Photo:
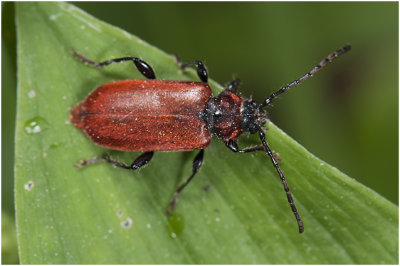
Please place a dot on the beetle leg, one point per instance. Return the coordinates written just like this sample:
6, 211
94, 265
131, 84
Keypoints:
233, 146
140, 161
201, 68
197, 162
144, 68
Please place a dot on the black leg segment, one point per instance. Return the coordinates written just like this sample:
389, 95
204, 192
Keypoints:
233, 146
197, 162
144, 68
140, 161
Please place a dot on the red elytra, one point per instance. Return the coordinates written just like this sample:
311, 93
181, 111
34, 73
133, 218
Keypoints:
146, 115
160, 115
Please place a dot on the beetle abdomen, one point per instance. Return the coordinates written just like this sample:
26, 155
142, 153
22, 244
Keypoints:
145, 115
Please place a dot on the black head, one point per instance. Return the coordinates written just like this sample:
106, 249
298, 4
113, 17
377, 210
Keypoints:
253, 116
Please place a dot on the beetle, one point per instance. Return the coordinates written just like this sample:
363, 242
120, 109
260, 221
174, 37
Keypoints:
151, 115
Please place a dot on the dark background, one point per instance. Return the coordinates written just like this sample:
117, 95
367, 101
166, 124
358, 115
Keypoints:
347, 114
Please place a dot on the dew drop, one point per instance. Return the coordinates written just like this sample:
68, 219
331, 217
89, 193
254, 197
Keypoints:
54, 16
35, 125
127, 223
31, 94
29, 186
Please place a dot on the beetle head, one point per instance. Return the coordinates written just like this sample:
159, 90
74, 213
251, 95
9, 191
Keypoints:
253, 116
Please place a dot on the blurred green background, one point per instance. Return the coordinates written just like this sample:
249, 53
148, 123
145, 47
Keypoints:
347, 114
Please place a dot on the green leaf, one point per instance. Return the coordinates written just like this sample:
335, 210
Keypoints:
234, 211
8, 240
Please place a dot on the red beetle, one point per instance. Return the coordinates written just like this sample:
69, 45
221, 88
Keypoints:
162, 115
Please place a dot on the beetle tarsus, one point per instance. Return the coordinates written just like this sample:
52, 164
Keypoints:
144, 68
84, 59
201, 69
197, 162
139, 162
171, 205
84, 163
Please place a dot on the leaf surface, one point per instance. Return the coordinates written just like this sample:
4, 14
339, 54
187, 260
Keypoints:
234, 211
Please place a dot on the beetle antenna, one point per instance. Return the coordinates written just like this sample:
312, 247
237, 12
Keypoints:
306, 76
283, 179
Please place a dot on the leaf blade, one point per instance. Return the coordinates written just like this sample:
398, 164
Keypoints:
83, 215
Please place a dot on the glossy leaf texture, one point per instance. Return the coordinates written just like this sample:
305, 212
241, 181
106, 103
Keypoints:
234, 211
